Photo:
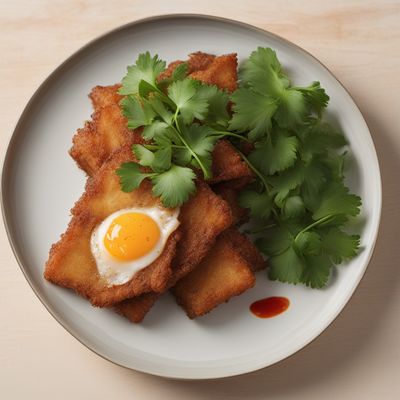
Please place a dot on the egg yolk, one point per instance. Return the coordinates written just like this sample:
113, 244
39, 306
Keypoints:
131, 236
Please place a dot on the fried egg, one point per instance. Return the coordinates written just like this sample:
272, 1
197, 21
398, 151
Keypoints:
129, 240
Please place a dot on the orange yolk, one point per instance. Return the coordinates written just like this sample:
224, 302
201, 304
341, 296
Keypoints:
131, 236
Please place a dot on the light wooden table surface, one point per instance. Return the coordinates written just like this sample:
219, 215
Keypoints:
358, 357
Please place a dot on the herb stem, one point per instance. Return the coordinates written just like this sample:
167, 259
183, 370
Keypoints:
313, 225
223, 133
180, 136
255, 170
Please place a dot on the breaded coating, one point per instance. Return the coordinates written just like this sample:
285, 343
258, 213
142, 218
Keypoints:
197, 62
71, 263
200, 61
103, 96
228, 164
136, 309
225, 272
230, 195
106, 132
222, 72
202, 219
246, 248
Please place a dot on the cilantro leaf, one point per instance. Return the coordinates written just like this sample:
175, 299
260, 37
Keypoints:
337, 200
130, 176
259, 204
138, 113
309, 243
200, 138
154, 130
263, 73
293, 207
161, 109
252, 112
180, 72
315, 96
217, 99
145, 156
271, 157
340, 245
316, 271
286, 267
188, 100
286, 181
146, 68
277, 240
162, 159
292, 108
174, 186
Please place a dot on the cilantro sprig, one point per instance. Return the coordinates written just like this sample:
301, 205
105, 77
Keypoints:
299, 200
182, 119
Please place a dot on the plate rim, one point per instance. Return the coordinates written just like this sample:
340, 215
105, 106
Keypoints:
7, 154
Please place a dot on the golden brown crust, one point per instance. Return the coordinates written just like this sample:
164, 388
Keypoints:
99, 138
227, 164
136, 309
200, 61
102, 96
71, 263
222, 274
202, 219
222, 72
246, 248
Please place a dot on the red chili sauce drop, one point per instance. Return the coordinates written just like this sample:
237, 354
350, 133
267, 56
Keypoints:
269, 307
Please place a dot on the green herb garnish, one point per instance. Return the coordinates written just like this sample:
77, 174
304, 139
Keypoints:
298, 202
299, 192
182, 118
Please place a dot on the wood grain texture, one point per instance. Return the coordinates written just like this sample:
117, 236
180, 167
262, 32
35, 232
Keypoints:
358, 357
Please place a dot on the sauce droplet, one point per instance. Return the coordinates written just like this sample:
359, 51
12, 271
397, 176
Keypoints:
269, 307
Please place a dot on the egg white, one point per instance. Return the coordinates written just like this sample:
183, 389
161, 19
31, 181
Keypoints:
117, 272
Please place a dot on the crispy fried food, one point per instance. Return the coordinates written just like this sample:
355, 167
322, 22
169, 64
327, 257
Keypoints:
226, 271
221, 72
198, 61
202, 219
136, 309
71, 263
227, 164
230, 195
103, 96
246, 248
108, 131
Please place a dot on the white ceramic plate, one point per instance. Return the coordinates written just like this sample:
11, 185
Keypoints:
40, 183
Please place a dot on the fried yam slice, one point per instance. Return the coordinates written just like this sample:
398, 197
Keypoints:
103, 96
106, 132
226, 271
228, 164
222, 72
202, 219
71, 263
246, 248
137, 308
